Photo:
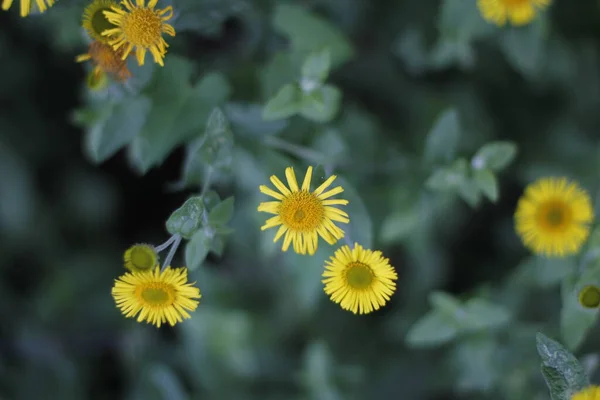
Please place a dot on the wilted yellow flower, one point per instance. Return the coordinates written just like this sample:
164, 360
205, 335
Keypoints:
107, 59
42, 5
97, 79
589, 393
358, 279
140, 257
553, 217
302, 215
95, 22
518, 12
157, 296
140, 27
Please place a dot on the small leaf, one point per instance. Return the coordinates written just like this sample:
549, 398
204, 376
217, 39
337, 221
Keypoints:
316, 66
487, 183
469, 191
559, 389
247, 118
211, 199
444, 303
222, 213
322, 104
495, 156
564, 363
197, 249
481, 314
448, 178
187, 219
442, 139
218, 245
287, 102
431, 330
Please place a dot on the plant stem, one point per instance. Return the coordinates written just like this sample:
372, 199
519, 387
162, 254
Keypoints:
172, 251
166, 244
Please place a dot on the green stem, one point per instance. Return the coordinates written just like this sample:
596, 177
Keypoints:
172, 251
166, 244
299, 151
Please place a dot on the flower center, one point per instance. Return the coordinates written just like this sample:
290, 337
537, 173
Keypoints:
515, 3
555, 215
302, 211
142, 27
142, 258
359, 275
157, 294
99, 21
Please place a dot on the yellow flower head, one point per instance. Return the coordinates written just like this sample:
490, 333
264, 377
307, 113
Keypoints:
140, 257
553, 217
358, 279
589, 393
589, 297
95, 22
42, 5
157, 296
140, 27
303, 215
518, 12
104, 57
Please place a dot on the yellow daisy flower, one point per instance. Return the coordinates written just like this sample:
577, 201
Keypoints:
360, 280
157, 296
589, 297
42, 5
140, 27
518, 12
95, 22
553, 217
140, 257
303, 215
589, 393
106, 59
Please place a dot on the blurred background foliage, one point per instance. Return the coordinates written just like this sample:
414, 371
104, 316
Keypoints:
434, 121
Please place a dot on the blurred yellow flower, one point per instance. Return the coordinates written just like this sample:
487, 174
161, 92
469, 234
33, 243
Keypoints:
95, 22
518, 12
553, 217
42, 5
157, 296
303, 215
105, 58
140, 257
358, 279
140, 27
589, 393
97, 79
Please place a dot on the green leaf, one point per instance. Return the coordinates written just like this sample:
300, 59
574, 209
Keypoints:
442, 140
469, 192
179, 110
564, 364
399, 225
316, 66
460, 21
487, 183
108, 135
308, 33
218, 245
495, 156
197, 249
247, 118
211, 199
187, 219
222, 213
448, 178
431, 330
525, 47
559, 389
479, 314
444, 303
321, 105
287, 102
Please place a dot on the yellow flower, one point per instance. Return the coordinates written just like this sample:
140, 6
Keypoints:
105, 58
360, 280
26, 5
589, 393
140, 257
518, 12
303, 215
589, 297
95, 22
157, 296
553, 217
140, 27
